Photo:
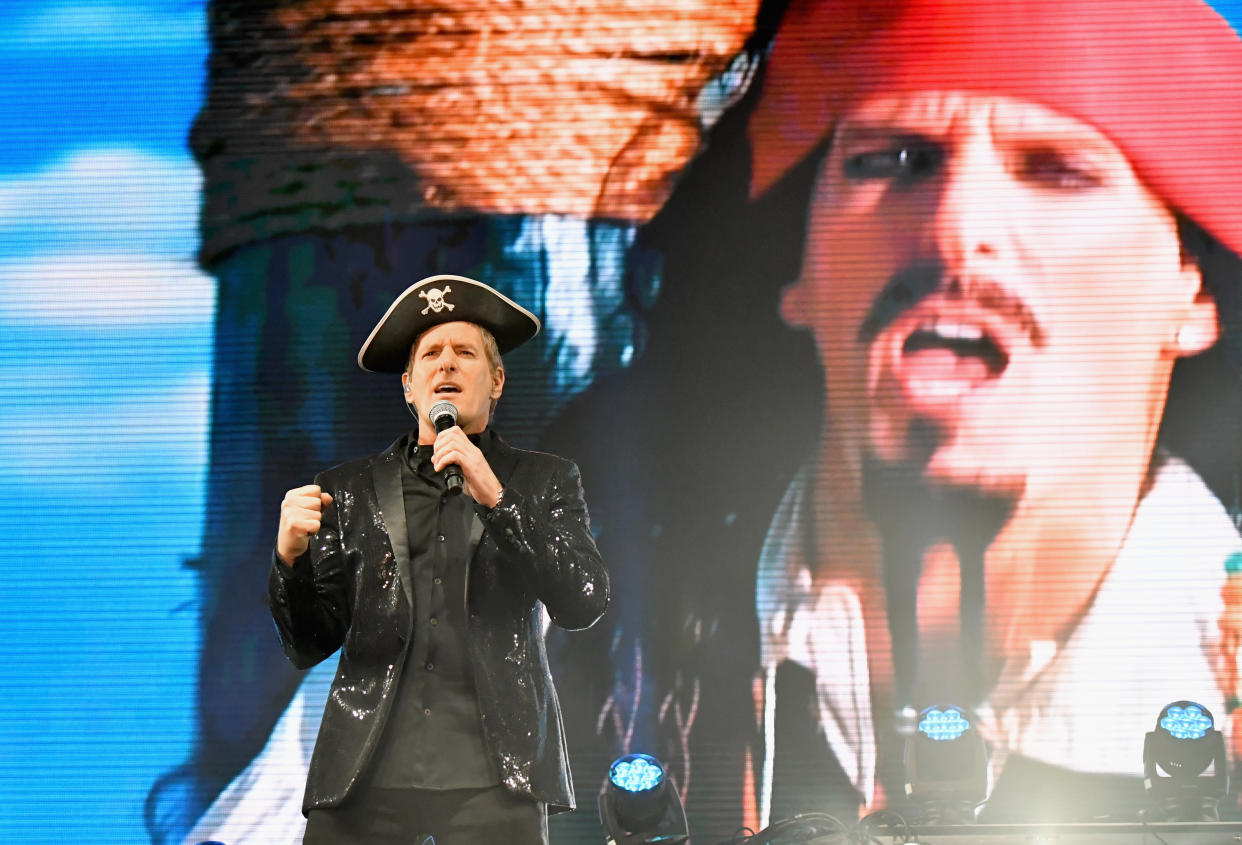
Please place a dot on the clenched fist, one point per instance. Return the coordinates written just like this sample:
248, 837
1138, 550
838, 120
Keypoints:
300, 515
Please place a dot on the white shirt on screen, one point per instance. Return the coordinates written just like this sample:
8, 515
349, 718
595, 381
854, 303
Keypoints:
263, 804
1148, 638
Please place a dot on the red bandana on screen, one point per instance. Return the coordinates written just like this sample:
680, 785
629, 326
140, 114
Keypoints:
1161, 78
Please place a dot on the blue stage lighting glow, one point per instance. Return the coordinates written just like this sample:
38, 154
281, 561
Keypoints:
1187, 722
942, 725
636, 773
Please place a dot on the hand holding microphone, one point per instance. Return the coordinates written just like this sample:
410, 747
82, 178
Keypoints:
464, 466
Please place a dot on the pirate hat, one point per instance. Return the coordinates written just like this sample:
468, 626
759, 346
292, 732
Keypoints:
1158, 77
443, 299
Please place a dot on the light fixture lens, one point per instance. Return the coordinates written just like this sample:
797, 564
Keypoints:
1189, 722
943, 725
636, 773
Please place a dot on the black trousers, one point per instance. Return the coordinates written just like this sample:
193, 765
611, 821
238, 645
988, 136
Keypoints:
430, 817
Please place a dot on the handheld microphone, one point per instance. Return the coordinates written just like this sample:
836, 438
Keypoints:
443, 416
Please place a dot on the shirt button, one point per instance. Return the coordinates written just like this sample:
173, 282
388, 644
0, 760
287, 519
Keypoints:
437, 580
434, 622
427, 711
441, 538
431, 667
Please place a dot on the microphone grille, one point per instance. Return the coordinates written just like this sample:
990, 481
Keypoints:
443, 408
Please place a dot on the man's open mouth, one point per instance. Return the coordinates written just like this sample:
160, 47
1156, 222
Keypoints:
942, 358
447, 390
954, 349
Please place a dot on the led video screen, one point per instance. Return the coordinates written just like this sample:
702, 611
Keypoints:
899, 347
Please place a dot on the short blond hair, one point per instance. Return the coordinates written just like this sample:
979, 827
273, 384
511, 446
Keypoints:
491, 349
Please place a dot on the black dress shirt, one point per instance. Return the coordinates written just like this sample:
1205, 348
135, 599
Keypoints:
434, 738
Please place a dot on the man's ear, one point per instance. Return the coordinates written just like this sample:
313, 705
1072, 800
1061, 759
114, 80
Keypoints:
1200, 326
795, 303
498, 383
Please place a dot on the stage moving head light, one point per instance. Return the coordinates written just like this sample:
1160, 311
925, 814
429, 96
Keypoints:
1185, 771
947, 765
638, 804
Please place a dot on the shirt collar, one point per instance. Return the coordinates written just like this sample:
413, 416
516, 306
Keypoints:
415, 454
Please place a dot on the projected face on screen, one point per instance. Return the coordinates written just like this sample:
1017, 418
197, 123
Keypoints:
997, 299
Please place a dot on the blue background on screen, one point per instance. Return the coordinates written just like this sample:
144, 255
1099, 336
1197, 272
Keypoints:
105, 329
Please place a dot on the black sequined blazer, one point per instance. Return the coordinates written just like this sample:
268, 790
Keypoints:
353, 590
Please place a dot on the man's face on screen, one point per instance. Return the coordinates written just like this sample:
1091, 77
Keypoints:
995, 295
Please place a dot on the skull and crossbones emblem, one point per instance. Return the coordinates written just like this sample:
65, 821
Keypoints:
435, 299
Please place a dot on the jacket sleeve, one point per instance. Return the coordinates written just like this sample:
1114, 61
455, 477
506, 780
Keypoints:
310, 600
549, 536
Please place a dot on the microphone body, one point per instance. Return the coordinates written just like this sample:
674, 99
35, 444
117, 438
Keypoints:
443, 416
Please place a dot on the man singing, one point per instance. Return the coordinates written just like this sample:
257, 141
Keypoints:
442, 720
1023, 216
